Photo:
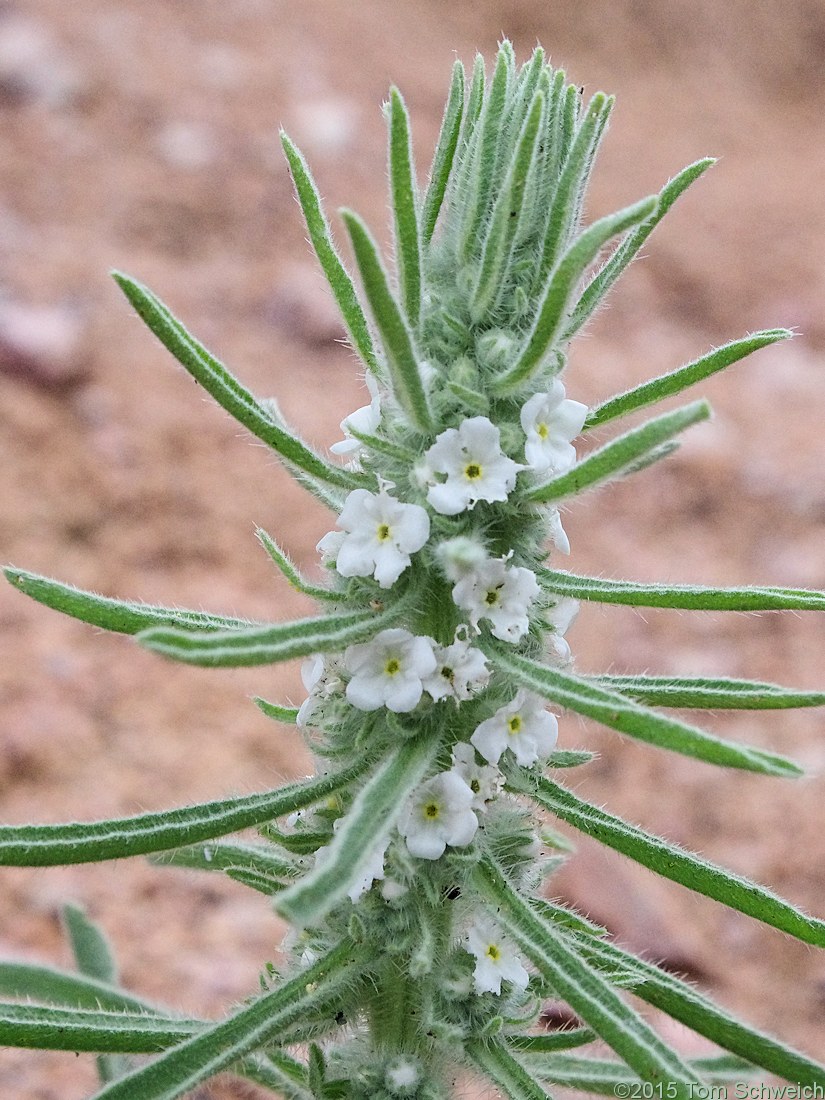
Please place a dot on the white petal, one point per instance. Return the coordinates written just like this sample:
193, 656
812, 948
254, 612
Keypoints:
403, 696
426, 845
557, 533
366, 692
490, 738
463, 829
449, 499
569, 418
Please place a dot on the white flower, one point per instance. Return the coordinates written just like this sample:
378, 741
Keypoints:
483, 781
496, 961
321, 681
500, 593
379, 534
438, 813
389, 670
523, 726
364, 420
374, 869
560, 616
474, 466
558, 535
461, 670
550, 422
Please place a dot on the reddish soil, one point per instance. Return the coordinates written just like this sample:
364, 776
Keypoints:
143, 134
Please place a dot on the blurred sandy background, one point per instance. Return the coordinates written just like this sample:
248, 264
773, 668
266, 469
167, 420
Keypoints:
143, 135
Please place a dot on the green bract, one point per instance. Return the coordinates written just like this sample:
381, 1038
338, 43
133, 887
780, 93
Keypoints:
410, 866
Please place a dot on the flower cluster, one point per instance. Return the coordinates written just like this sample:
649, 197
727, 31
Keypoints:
377, 535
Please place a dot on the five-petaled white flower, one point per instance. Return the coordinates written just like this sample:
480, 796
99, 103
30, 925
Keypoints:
496, 961
523, 726
472, 464
500, 593
438, 813
389, 670
550, 422
484, 781
364, 420
379, 534
461, 670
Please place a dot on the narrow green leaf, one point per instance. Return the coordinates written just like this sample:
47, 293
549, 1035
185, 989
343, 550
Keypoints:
228, 856
630, 247
478, 197
264, 645
444, 156
711, 694
576, 154
569, 120
691, 1008
214, 1048
590, 996
288, 715
618, 455
631, 718
383, 446
94, 958
551, 1041
670, 861
278, 1072
404, 206
405, 374
475, 103
91, 949
121, 616
530, 74
227, 390
497, 1063
689, 597
33, 981
553, 151
560, 914
366, 826
292, 574
500, 238
587, 168
49, 1028
321, 239
599, 1077
90, 842
666, 385
565, 758
565, 275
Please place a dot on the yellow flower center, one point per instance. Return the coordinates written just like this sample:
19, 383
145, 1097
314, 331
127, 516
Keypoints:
383, 532
475, 786
448, 674
514, 723
491, 597
493, 952
392, 666
472, 471
542, 431
431, 811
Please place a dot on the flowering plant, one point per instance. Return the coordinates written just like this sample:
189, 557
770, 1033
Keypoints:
410, 864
